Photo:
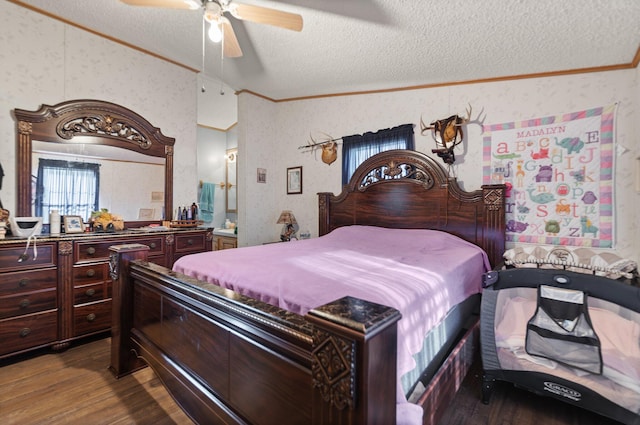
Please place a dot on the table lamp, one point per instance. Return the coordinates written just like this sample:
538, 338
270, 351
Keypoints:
290, 225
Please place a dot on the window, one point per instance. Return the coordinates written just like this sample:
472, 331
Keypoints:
356, 149
72, 188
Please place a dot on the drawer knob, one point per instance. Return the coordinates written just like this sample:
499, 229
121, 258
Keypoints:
190, 242
91, 273
91, 250
24, 332
24, 303
152, 245
23, 282
90, 292
91, 317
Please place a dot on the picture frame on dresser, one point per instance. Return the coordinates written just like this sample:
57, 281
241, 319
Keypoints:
73, 224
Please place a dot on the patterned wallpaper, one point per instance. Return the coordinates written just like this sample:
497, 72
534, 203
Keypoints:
273, 133
46, 61
43, 61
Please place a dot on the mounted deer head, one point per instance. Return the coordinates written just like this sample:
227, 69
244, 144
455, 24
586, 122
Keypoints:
329, 152
448, 133
329, 148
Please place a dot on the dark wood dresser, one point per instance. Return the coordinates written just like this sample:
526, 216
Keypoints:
65, 292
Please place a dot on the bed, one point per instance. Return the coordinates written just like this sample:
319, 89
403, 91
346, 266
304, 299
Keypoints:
230, 355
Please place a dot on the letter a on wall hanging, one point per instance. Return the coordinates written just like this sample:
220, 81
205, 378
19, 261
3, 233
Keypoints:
559, 174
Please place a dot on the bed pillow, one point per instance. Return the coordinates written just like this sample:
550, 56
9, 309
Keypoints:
577, 259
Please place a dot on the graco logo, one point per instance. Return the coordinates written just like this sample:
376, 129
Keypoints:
561, 390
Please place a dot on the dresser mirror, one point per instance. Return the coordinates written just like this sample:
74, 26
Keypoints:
231, 186
134, 158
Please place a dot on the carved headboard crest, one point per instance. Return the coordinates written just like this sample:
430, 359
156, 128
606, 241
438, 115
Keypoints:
396, 170
423, 171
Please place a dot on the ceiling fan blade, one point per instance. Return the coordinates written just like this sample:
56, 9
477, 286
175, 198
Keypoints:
170, 4
264, 15
231, 45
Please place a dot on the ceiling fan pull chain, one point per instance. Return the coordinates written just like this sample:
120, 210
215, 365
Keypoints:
204, 89
224, 36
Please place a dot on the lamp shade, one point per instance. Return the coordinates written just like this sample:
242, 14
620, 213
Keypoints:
287, 217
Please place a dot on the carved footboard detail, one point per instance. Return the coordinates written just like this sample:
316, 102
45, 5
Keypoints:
354, 363
333, 369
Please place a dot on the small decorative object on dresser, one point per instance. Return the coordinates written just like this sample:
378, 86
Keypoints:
73, 224
54, 223
25, 227
104, 221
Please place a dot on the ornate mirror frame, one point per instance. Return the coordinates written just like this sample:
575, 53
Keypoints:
88, 121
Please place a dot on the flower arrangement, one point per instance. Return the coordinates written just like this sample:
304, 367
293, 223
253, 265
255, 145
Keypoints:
104, 221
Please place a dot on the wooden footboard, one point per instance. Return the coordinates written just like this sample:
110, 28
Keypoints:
226, 358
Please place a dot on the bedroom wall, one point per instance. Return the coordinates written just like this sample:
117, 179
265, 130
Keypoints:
44, 61
274, 131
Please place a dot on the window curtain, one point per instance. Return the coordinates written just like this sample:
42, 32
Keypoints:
72, 188
357, 148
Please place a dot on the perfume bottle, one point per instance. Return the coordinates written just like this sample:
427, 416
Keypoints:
194, 211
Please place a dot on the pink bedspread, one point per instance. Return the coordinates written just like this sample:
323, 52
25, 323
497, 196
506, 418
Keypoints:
421, 273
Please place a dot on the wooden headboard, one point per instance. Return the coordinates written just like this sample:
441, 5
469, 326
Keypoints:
409, 190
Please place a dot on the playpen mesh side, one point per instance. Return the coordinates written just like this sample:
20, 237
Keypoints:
490, 360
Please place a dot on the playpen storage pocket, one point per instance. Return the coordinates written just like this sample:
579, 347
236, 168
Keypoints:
561, 330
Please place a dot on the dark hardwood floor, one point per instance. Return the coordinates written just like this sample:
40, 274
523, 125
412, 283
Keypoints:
513, 406
75, 387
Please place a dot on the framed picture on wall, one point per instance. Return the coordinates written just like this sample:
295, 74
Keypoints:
146, 213
294, 180
262, 175
157, 196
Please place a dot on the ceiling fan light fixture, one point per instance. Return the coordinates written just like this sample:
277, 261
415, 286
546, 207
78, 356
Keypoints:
215, 32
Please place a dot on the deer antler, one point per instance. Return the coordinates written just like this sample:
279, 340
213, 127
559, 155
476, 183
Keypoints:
477, 120
314, 144
327, 140
423, 126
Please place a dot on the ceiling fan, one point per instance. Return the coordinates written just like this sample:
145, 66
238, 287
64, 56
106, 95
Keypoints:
220, 28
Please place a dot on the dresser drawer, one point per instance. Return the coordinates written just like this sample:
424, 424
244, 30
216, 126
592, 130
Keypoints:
28, 331
20, 282
192, 242
99, 250
47, 256
90, 273
90, 293
90, 318
29, 302
224, 242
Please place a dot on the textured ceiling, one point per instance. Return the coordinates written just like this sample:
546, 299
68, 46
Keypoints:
360, 45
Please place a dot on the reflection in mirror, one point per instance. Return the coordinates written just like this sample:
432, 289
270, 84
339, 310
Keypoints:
141, 175
231, 191
134, 158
